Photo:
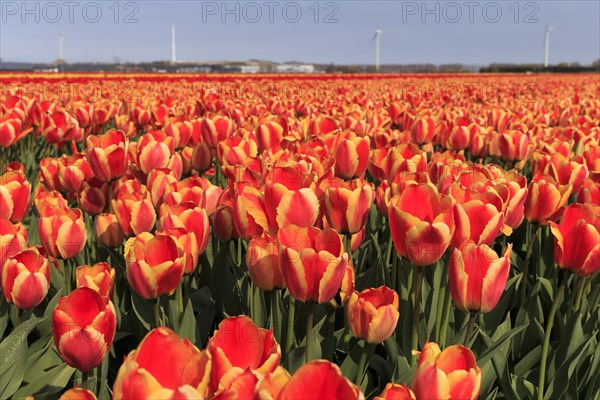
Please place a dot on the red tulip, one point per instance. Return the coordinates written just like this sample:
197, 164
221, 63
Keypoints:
154, 150
15, 191
108, 230
477, 276
421, 224
238, 344
446, 375
346, 205
262, 260
187, 244
577, 239
78, 394
313, 262
223, 218
73, 171
478, 222
317, 380
100, 277
271, 384
373, 314
513, 145
134, 209
93, 196
62, 232
351, 155
25, 278
13, 239
189, 216
545, 200
83, 326
393, 391
107, 154
182, 372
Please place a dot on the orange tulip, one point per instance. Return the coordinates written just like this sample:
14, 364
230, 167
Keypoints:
108, 230
78, 394
182, 372
478, 222
223, 218
421, 224
15, 191
319, 379
134, 209
271, 384
545, 200
83, 326
25, 278
11, 130
262, 260
93, 196
43, 199
73, 171
62, 232
513, 145
216, 129
107, 154
393, 391
347, 204
477, 276
238, 344
313, 262
154, 150
351, 155
13, 239
189, 216
373, 314
154, 264
446, 375
100, 277
577, 239
157, 180
187, 244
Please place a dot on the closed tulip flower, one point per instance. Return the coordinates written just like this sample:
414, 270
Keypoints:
83, 326
73, 171
477, 276
93, 196
393, 391
181, 372
62, 232
421, 224
545, 200
318, 380
577, 239
238, 344
134, 209
25, 278
513, 145
477, 221
186, 242
78, 394
262, 259
14, 193
154, 150
373, 314
107, 154
351, 154
189, 216
108, 230
451, 374
100, 277
154, 264
346, 205
313, 262
13, 239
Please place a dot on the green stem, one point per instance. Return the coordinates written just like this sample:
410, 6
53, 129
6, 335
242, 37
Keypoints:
179, 298
523, 288
67, 276
157, 312
18, 317
445, 318
273, 321
362, 365
546, 345
348, 248
290, 338
239, 251
580, 290
330, 334
417, 283
84, 380
310, 313
470, 327
388, 251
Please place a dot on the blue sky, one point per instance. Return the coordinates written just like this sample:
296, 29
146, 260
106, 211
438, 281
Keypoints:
469, 32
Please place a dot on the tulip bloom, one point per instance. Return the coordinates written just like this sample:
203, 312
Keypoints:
134, 209
25, 278
154, 264
351, 155
262, 259
62, 232
13, 239
319, 379
238, 344
513, 145
83, 326
78, 394
271, 384
108, 230
313, 262
186, 242
107, 154
14, 193
346, 206
93, 196
154, 150
188, 216
182, 371
545, 200
73, 171
477, 221
421, 224
477, 276
444, 375
100, 277
393, 391
373, 314
577, 239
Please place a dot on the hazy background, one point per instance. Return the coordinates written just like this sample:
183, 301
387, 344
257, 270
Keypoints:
465, 32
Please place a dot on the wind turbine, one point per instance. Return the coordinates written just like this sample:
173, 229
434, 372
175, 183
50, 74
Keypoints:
547, 44
61, 46
173, 57
378, 33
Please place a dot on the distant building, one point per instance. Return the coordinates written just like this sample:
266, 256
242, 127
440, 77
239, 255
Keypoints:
250, 69
296, 68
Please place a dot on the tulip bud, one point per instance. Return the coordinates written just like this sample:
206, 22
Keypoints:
100, 277
78, 394
14, 194
108, 230
393, 391
262, 259
62, 232
373, 314
107, 154
25, 278
347, 205
83, 326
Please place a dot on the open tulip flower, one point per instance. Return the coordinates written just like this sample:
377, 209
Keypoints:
155, 264
180, 372
446, 375
577, 239
313, 262
477, 276
421, 224
373, 314
25, 278
84, 326
238, 344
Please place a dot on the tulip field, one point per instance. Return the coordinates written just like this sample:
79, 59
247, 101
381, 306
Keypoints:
299, 236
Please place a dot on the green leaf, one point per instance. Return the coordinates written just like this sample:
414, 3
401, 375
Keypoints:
48, 382
558, 385
143, 310
188, 324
